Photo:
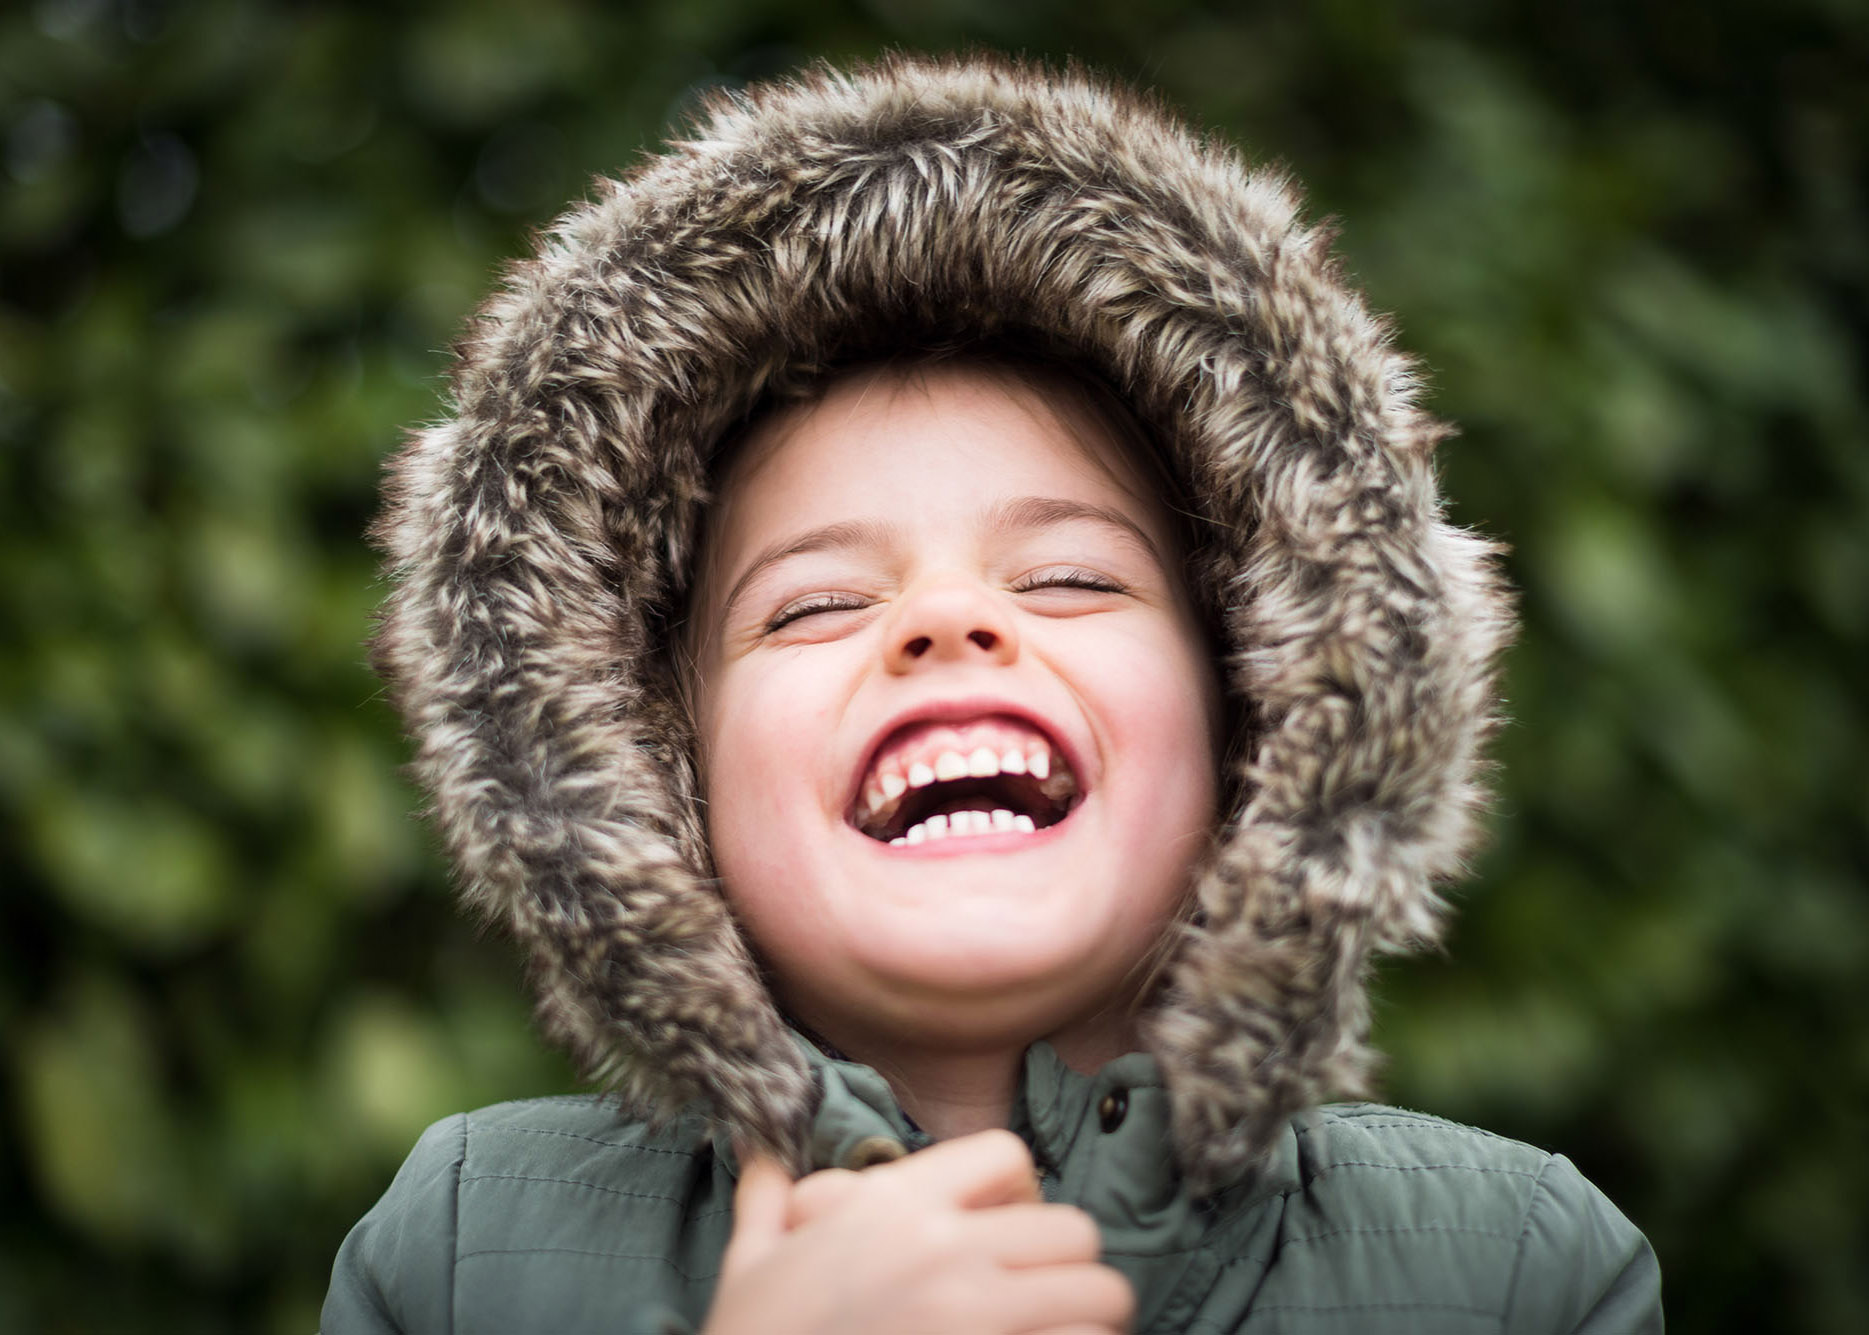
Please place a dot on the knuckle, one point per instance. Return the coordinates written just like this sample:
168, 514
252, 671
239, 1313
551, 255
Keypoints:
1008, 1144
827, 1176
823, 1186
933, 1234
1003, 1151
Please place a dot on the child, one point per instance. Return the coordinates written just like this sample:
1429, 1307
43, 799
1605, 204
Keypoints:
932, 623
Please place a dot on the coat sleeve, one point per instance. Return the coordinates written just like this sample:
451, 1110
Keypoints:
1582, 1268
395, 1273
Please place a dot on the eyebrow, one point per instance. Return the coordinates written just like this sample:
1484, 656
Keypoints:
1030, 512
842, 536
1019, 514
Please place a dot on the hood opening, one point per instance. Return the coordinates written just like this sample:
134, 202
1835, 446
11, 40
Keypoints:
537, 538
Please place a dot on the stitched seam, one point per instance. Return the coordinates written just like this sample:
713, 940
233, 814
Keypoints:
593, 1140
1371, 1307
1263, 1262
580, 1251
1251, 1259
571, 1182
1432, 1168
455, 1278
1525, 1232
1423, 1123
1402, 1229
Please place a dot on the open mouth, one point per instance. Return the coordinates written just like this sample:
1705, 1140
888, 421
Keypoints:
932, 781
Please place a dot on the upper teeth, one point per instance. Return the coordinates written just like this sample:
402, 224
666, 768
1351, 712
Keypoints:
982, 764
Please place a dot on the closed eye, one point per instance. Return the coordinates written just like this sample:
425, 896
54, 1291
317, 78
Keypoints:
1067, 577
813, 605
1050, 577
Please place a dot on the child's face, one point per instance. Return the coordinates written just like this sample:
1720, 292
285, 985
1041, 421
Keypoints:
914, 572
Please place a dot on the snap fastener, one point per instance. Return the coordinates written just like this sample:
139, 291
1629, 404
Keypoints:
1112, 1109
871, 1151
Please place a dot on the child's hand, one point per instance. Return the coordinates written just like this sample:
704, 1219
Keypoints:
951, 1241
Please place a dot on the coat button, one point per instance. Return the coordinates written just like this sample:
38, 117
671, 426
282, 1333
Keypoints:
871, 1151
1112, 1109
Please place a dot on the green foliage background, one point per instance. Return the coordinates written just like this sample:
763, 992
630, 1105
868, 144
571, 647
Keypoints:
1630, 240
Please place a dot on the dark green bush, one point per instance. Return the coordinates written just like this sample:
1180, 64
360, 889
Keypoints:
1629, 241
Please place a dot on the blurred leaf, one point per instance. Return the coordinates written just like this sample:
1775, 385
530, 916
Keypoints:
147, 870
104, 1145
387, 1072
1608, 578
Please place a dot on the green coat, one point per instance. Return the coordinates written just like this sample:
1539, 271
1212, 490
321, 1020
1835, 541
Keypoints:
559, 1215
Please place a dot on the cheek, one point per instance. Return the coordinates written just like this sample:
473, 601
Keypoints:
1163, 698
1172, 730
765, 759
1170, 779
745, 820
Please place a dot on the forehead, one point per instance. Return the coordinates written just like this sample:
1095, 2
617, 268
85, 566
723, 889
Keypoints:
875, 431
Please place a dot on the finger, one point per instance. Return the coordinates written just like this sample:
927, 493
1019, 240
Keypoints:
818, 1194
1021, 1236
759, 1206
985, 1168
1047, 1297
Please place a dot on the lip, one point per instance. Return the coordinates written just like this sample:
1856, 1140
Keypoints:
963, 710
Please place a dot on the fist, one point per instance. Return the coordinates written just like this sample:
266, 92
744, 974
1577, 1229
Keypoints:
954, 1240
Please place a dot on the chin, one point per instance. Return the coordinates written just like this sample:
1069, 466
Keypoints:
971, 988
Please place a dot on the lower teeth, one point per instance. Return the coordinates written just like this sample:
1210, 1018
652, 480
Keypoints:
960, 824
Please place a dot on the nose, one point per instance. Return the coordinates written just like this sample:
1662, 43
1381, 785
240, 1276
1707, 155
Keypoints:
949, 621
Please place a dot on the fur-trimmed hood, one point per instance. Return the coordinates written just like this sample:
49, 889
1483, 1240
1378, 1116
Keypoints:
540, 539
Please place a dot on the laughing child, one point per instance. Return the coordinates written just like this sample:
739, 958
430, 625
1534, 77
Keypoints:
931, 623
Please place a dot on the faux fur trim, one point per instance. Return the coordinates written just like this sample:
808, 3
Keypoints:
539, 537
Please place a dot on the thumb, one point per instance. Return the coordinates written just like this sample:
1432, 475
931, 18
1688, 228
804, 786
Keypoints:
760, 1203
